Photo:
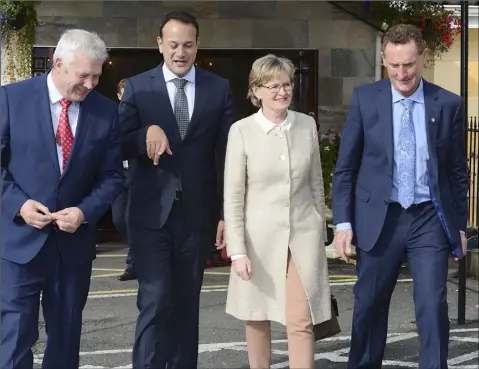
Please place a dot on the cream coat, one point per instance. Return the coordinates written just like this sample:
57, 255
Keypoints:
274, 199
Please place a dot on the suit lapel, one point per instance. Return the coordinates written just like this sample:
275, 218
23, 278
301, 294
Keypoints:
433, 112
201, 95
385, 114
83, 124
45, 120
160, 101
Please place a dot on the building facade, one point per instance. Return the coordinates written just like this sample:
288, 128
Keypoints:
345, 48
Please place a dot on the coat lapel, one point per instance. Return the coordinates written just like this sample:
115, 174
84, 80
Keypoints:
45, 120
201, 95
160, 101
385, 114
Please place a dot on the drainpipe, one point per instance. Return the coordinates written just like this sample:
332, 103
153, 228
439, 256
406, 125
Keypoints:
378, 60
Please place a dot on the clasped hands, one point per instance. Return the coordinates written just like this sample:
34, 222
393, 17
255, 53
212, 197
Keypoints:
38, 216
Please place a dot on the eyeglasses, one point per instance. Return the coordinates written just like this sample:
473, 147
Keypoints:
274, 89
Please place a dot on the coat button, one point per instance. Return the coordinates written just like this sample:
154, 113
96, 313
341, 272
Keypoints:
283, 157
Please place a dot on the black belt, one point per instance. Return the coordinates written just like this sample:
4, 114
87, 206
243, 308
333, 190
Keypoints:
424, 203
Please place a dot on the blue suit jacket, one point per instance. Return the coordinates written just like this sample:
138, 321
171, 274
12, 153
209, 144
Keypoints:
198, 158
362, 181
30, 169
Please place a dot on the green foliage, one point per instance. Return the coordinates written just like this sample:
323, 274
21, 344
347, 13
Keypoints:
328, 147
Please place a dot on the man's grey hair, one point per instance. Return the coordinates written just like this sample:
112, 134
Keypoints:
78, 41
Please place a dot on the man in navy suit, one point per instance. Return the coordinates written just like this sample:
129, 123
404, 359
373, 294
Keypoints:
400, 189
61, 171
183, 114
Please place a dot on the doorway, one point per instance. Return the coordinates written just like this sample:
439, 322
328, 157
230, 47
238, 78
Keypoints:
232, 64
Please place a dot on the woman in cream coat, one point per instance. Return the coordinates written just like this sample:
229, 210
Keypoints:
274, 219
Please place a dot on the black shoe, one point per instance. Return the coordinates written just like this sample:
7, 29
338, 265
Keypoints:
128, 275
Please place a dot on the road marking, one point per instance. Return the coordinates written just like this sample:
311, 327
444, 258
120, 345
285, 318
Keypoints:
112, 256
107, 270
335, 356
106, 275
219, 288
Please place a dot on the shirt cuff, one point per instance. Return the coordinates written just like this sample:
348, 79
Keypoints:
237, 256
343, 226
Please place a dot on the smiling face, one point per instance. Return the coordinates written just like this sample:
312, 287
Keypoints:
404, 65
179, 46
276, 95
77, 77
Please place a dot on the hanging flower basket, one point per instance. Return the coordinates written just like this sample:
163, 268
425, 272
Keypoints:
439, 26
17, 26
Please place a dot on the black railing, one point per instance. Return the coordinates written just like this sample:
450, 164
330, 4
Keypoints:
473, 169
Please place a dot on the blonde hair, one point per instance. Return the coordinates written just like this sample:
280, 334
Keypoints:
264, 70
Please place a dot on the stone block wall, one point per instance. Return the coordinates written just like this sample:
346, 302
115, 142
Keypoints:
346, 46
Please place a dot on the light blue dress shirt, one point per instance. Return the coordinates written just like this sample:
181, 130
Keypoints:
421, 192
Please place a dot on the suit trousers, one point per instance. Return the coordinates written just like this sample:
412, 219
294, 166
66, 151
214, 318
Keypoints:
118, 212
299, 328
64, 290
169, 263
416, 233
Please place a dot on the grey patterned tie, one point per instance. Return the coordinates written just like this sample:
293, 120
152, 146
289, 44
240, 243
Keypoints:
181, 106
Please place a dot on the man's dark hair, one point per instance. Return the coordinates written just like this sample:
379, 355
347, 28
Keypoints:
401, 34
182, 17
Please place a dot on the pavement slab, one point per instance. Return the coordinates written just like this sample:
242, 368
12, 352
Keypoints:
110, 317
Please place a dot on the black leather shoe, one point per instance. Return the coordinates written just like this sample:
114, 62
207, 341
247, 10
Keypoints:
127, 275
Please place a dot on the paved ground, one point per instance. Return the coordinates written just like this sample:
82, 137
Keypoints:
111, 313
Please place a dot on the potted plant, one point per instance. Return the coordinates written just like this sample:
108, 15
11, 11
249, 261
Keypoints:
17, 26
439, 26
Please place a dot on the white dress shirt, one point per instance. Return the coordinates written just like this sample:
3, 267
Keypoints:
56, 108
268, 126
189, 87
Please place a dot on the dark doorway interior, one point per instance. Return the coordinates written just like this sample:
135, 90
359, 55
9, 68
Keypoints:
231, 64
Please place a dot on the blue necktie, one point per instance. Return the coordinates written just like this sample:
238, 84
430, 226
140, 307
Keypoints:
407, 157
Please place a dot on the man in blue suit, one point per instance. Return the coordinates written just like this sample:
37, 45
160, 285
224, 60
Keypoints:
185, 113
400, 189
61, 171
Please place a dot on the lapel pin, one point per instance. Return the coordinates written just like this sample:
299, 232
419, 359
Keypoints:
433, 120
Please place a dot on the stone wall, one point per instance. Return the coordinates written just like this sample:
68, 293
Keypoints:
346, 46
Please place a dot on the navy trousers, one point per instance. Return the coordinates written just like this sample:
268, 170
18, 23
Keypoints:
64, 290
169, 263
417, 234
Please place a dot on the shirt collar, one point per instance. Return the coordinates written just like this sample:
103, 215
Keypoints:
53, 93
268, 126
417, 96
170, 76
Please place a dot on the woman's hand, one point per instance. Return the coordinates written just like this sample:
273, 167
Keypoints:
242, 267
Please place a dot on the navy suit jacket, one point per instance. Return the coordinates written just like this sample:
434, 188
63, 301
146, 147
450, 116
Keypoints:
198, 159
30, 169
362, 181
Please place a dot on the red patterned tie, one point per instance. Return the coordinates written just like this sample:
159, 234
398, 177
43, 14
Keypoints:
64, 132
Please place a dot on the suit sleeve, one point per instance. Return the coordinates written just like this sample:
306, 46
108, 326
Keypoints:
234, 195
316, 181
133, 139
221, 143
12, 195
110, 179
458, 174
348, 163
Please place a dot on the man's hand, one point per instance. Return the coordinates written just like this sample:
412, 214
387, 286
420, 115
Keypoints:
69, 219
220, 235
242, 267
342, 241
35, 214
156, 143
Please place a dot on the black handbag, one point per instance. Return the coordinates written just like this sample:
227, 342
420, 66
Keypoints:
330, 327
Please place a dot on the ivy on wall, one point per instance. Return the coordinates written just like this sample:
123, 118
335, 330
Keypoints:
17, 26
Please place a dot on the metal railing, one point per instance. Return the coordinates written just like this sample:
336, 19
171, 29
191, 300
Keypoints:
472, 146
